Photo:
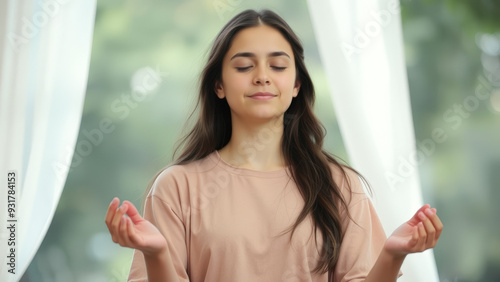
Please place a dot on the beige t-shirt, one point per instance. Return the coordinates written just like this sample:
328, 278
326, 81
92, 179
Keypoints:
224, 223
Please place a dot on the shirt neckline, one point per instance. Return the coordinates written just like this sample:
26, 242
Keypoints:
216, 158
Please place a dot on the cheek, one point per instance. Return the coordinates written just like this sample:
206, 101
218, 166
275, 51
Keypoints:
235, 83
286, 83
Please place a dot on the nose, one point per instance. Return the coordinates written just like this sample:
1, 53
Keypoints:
261, 77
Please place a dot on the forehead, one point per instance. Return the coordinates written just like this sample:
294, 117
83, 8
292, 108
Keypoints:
260, 40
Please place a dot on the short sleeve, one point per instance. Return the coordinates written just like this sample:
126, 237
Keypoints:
170, 223
364, 236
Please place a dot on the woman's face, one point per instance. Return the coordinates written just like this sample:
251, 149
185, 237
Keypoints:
258, 75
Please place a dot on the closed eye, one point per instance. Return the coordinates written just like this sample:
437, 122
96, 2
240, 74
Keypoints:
242, 69
279, 68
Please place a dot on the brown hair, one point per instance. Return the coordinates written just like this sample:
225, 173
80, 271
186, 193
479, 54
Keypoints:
302, 142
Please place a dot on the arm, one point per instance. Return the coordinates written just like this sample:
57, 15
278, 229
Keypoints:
159, 267
418, 234
129, 229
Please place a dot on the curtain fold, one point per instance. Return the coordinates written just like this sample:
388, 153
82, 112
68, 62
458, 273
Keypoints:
361, 46
45, 51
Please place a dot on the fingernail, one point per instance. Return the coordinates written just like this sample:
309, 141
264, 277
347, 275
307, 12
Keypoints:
429, 212
421, 215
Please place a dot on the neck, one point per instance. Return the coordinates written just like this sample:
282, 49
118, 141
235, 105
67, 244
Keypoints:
255, 146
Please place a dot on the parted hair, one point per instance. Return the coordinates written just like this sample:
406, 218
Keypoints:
303, 134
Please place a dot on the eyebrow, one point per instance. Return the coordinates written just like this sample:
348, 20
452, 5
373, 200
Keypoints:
252, 55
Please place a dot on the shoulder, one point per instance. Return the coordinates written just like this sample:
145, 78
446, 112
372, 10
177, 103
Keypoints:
176, 171
176, 179
349, 183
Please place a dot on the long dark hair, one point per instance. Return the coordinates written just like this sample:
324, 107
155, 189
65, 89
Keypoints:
302, 142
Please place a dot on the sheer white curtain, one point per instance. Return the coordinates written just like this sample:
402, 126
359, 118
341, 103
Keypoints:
44, 59
361, 45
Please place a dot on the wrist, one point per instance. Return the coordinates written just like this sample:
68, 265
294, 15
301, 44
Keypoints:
387, 266
392, 256
155, 254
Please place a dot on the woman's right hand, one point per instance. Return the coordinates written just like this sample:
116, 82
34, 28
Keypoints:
129, 229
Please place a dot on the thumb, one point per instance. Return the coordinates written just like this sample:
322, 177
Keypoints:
132, 212
415, 219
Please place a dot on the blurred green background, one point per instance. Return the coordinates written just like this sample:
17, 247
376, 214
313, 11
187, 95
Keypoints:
146, 58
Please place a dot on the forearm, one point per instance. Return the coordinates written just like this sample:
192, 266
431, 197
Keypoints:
160, 267
386, 268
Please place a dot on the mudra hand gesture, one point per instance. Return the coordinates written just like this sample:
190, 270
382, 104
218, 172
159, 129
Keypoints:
129, 229
418, 234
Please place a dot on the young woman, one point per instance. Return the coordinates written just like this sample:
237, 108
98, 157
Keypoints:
253, 195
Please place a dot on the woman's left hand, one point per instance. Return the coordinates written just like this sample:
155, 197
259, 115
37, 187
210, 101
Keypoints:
418, 234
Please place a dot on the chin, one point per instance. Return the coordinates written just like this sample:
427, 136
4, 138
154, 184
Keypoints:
266, 117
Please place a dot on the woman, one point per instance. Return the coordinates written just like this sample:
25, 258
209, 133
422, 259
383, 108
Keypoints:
253, 195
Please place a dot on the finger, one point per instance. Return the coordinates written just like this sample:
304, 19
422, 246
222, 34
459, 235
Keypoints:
109, 217
115, 223
123, 235
417, 239
429, 228
134, 238
436, 222
414, 237
132, 212
111, 210
422, 237
118, 232
415, 219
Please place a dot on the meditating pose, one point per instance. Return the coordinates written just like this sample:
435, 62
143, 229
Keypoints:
252, 195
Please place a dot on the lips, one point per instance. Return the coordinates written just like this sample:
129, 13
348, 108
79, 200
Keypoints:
262, 96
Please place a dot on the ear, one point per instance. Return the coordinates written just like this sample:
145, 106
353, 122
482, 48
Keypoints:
219, 90
296, 88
